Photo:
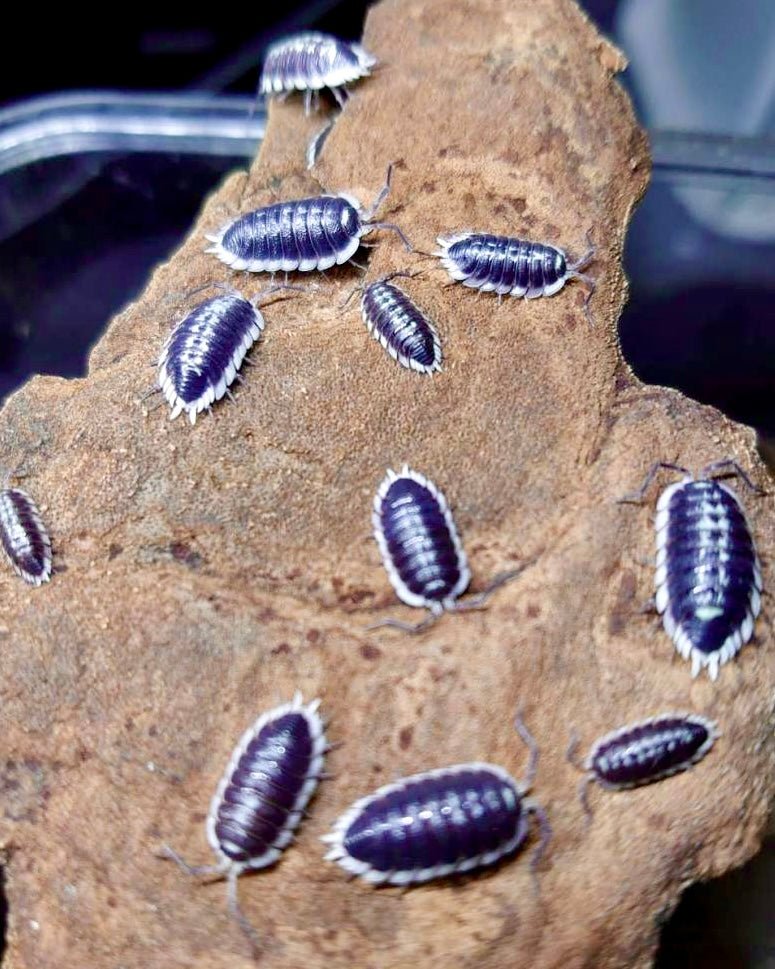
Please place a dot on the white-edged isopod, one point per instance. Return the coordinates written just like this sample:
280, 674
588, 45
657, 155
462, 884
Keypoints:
263, 795
421, 549
400, 326
23, 536
708, 578
303, 234
439, 823
647, 751
311, 61
510, 266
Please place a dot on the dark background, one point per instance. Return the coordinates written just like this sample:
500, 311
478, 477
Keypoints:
79, 237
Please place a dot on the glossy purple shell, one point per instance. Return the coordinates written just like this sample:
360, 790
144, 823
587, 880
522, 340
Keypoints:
204, 352
431, 825
650, 750
708, 578
418, 541
401, 327
504, 265
303, 234
270, 779
311, 61
23, 535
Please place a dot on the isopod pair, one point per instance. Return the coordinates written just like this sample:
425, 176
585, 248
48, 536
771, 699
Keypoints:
438, 823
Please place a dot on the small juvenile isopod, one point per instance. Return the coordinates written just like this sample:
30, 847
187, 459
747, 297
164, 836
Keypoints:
400, 326
439, 823
505, 265
421, 550
303, 234
647, 751
262, 796
23, 535
204, 352
310, 62
708, 578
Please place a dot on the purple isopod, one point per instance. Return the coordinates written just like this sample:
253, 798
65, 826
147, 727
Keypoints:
263, 794
647, 751
202, 355
401, 327
204, 352
438, 823
505, 265
708, 578
304, 234
24, 537
421, 549
312, 61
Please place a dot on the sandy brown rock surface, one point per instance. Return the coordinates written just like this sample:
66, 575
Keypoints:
206, 573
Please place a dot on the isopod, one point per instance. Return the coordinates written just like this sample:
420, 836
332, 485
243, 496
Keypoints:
400, 326
263, 794
310, 62
708, 578
24, 537
647, 751
304, 234
439, 823
517, 267
421, 549
202, 355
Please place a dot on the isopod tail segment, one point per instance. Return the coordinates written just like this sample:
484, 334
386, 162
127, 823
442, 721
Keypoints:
642, 753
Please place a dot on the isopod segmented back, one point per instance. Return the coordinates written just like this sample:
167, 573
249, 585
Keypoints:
510, 266
300, 234
263, 794
311, 61
400, 326
23, 536
438, 823
708, 578
203, 354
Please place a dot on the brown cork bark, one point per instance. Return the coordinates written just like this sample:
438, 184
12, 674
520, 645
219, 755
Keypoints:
206, 573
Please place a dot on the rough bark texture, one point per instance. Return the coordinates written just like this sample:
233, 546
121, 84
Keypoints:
206, 573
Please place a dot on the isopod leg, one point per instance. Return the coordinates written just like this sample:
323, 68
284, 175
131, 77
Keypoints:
479, 601
545, 830
196, 871
406, 627
529, 741
584, 798
571, 751
587, 258
636, 496
238, 915
381, 196
730, 464
393, 228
